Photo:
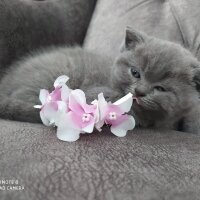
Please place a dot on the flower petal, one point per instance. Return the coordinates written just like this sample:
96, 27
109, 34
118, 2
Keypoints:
45, 121
99, 125
67, 121
62, 106
76, 100
89, 128
75, 120
121, 129
120, 118
43, 95
89, 108
60, 81
49, 113
125, 103
96, 113
55, 95
78, 96
65, 92
102, 105
68, 134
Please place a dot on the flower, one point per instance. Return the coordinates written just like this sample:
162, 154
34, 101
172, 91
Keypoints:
80, 118
54, 103
115, 114
68, 110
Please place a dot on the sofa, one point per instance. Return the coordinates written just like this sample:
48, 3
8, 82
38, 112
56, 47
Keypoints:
146, 164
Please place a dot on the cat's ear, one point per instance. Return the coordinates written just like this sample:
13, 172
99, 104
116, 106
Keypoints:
132, 39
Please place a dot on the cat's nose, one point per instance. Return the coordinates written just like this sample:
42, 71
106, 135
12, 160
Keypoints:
140, 92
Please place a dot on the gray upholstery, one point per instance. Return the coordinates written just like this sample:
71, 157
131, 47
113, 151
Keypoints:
145, 165
27, 25
175, 20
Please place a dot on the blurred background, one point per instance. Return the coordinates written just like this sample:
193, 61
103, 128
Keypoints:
27, 25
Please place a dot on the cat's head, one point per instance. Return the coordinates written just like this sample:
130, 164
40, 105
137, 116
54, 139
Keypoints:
163, 77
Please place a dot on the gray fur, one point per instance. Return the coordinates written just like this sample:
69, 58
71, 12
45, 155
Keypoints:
20, 87
160, 63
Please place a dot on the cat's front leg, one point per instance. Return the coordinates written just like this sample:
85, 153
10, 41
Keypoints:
191, 123
20, 109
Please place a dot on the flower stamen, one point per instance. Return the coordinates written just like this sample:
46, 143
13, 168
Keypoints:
86, 117
112, 115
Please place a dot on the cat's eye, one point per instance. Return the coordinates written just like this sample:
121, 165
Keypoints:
160, 88
135, 73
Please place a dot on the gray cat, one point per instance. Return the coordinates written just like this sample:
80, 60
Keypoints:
163, 77
21, 85
165, 80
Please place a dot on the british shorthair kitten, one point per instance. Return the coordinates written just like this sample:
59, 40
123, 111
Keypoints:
163, 77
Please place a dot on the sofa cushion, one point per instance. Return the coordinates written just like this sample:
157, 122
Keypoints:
174, 20
27, 25
143, 165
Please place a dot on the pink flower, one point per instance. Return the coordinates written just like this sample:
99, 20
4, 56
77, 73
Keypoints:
80, 118
115, 115
68, 110
54, 103
51, 112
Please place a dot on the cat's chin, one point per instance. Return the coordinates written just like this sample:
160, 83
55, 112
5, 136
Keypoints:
145, 117
137, 108
137, 103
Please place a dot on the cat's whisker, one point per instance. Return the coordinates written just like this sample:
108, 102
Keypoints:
146, 102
